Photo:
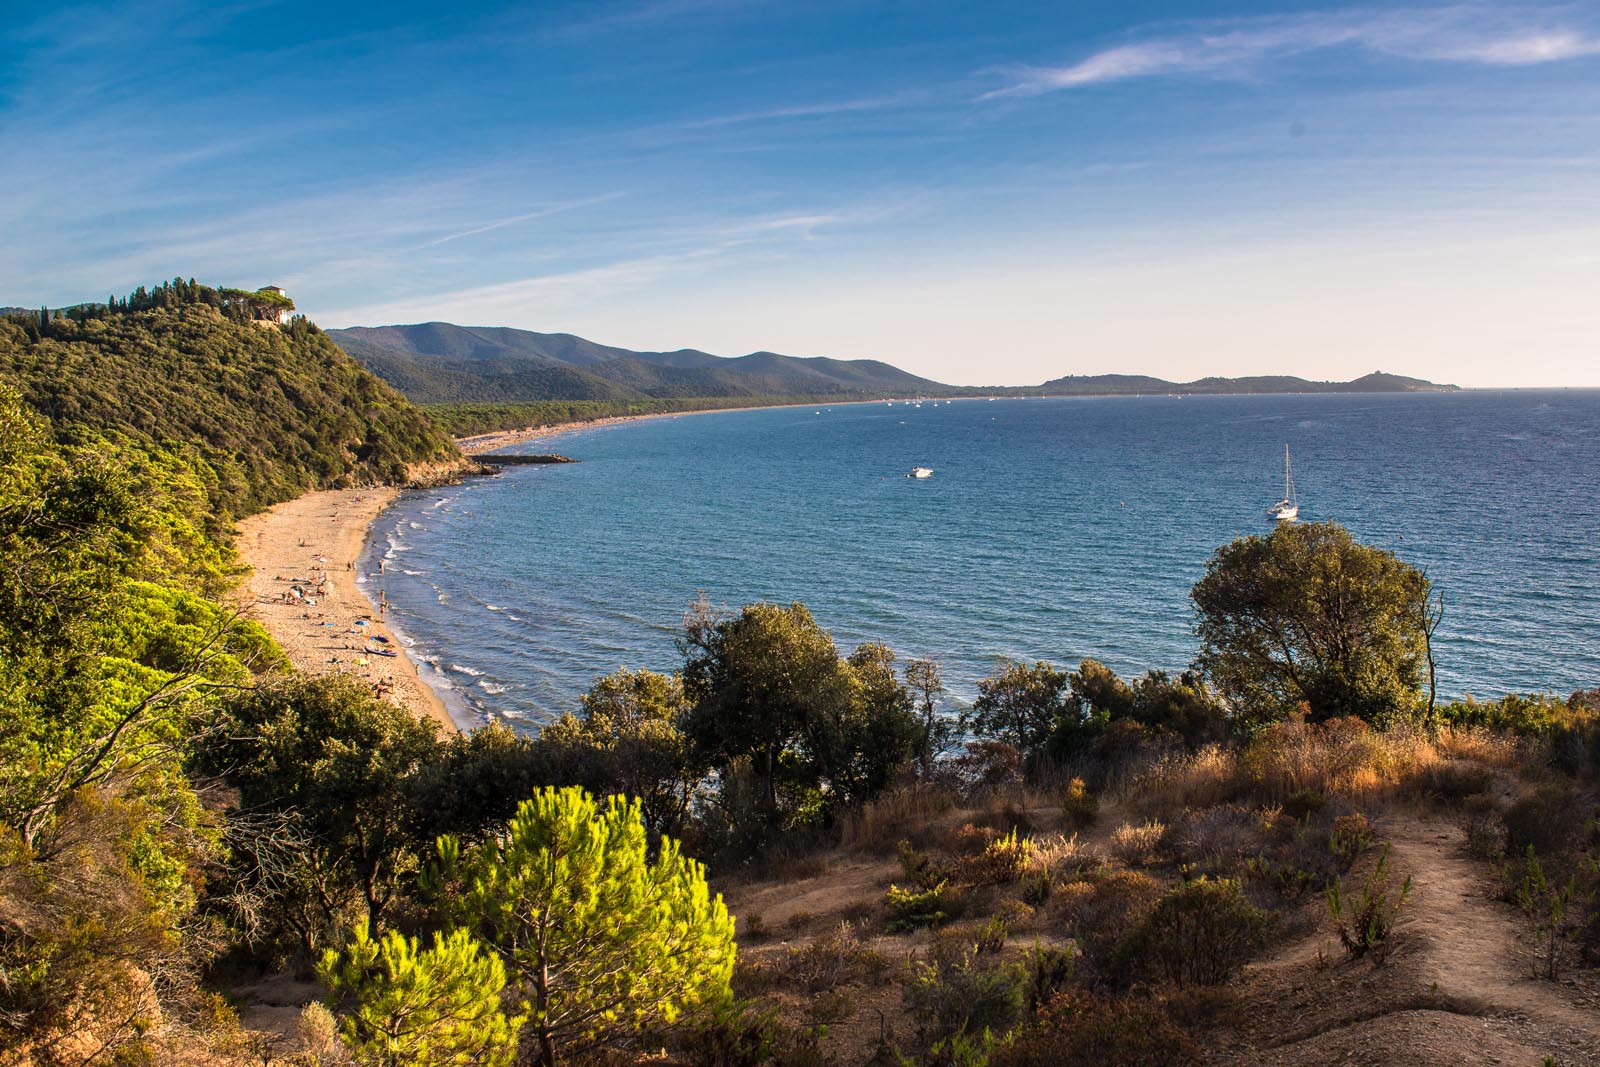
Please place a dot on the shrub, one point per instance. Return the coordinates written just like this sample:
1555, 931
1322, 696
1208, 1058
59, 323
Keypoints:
1200, 933
1000, 863
1048, 971
1216, 840
1138, 846
1085, 1028
1549, 819
737, 1034
880, 823
1547, 904
1454, 780
836, 959
1365, 924
1036, 889
990, 938
1104, 907
1078, 805
1349, 837
919, 867
1304, 803
964, 997
1176, 781
914, 909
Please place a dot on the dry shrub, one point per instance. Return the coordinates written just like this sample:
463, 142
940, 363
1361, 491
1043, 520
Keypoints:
838, 958
1342, 757
1004, 815
1002, 862
1079, 1027
317, 1029
1200, 933
1549, 819
1138, 846
1478, 745
907, 811
1175, 780
969, 839
1486, 834
1055, 855
1102, 908
1452, 781
1216, 840
1295, 761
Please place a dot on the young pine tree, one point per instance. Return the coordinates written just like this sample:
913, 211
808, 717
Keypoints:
435, 1007
600, 940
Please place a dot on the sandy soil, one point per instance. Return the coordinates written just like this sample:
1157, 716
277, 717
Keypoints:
312, 544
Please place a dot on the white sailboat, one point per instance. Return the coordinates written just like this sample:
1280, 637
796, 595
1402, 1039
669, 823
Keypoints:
1287, 509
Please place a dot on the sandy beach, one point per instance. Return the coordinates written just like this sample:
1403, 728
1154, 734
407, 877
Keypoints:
304, 554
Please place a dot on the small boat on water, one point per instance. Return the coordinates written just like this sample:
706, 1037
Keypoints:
1287, 509
921, 472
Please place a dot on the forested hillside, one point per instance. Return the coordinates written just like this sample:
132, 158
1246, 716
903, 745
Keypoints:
440, 363
271, 410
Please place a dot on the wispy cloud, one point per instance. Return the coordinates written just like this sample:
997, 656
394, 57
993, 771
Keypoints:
1240, 47
805, 111
529, 216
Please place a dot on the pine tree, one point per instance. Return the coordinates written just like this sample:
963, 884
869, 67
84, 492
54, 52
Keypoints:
438, 1007
599, 939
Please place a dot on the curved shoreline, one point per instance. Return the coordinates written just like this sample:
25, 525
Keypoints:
322, 535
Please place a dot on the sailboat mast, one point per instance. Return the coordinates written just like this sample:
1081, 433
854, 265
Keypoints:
1288, 475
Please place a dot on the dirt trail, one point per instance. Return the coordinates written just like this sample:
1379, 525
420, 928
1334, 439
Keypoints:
1457, 989
1477, 950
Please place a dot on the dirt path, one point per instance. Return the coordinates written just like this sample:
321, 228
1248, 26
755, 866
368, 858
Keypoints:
1457, 989
1478, 951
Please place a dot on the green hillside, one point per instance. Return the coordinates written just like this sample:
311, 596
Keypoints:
441, 363
273, 410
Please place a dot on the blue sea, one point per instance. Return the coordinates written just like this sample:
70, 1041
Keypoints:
1051, 529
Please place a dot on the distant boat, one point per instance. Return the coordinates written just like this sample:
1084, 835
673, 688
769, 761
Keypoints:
921, 472
1287, 509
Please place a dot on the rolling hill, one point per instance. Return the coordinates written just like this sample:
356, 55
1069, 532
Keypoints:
437, 362
441, 363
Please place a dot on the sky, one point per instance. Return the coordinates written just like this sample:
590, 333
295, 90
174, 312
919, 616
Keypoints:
982, 193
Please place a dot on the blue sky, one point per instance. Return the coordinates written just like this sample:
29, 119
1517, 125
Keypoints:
983, 193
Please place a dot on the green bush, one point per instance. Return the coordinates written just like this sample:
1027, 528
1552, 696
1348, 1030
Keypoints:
1349, 837
1365, 923
1199, 934
964, 997
914, 909
1078, 805
1001, 862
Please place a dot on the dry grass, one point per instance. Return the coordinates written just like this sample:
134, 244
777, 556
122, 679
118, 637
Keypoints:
1138, 846
1056, 855
881, 824
1340, 758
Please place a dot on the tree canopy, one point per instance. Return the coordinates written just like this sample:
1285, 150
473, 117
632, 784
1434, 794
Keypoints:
599, 938
1306, 615
271, 411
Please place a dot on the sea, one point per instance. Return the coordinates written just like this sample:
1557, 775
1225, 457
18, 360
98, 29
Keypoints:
1051, 529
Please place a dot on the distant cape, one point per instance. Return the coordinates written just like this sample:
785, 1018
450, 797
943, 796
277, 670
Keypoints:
439, 362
